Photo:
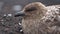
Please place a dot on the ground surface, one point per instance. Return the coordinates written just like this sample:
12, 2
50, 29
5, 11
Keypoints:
9, 25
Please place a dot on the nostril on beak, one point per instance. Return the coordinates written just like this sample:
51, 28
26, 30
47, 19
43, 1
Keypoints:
19, 14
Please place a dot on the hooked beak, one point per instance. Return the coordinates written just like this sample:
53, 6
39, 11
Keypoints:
21, 13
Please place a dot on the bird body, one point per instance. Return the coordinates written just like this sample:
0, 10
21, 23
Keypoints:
39, 19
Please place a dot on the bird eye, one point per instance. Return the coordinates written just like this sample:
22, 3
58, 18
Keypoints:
31, 9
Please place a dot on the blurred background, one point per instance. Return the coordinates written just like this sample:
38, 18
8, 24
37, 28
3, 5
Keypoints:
10, 24
11, 6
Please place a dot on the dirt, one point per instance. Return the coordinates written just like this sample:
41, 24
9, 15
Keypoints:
10, 25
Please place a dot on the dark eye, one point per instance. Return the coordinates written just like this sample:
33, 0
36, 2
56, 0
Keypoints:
31, 9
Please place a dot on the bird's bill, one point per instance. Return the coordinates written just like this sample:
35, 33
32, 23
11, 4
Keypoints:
21, 13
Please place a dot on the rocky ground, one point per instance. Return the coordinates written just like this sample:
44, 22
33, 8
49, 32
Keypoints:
10, 25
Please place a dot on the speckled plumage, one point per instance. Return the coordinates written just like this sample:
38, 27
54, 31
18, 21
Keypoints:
39, 20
